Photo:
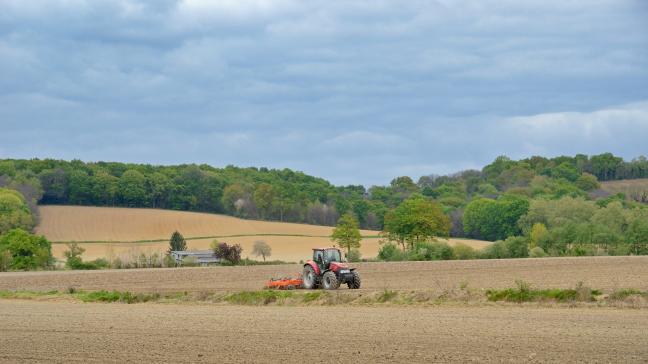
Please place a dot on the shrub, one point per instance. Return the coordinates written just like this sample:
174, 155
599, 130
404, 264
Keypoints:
517, 247
26, 251
497, 250
390, 252
537, 252
464, 252
431, 251
354, 255
230, 253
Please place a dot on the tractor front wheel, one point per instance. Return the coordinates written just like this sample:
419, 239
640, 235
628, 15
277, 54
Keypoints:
309, 277
355, 282
330, 281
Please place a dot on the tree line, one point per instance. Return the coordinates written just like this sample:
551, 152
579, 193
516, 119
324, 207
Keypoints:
286, 195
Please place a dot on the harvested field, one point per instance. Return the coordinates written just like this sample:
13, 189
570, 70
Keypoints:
118, 232
66, 332
635, 189
606, 273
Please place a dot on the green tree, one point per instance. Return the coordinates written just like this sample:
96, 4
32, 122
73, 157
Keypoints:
73, 256
587, 182
27, 251
415, 220
264, 196
494, 219
538, 234
637, 234
80, 188
261, 249
177, 242
347, 233
14, 212
132, 188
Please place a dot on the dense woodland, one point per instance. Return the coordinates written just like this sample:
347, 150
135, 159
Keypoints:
286, 195
558, 199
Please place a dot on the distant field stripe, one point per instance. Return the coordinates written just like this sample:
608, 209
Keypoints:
200, 238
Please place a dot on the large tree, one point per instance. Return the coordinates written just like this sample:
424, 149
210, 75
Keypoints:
416, 219
494, 219
347, 233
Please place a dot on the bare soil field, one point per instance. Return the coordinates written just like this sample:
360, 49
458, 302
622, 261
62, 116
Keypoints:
70, 332
606, 273
118, 230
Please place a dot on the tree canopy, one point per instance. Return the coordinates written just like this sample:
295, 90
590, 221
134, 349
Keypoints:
347, 233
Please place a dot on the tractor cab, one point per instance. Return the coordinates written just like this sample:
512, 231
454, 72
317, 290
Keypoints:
324, 257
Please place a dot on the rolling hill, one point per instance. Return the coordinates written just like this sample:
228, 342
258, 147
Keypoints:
115, 232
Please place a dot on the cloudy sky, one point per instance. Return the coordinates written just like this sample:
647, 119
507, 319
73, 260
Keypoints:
353, 91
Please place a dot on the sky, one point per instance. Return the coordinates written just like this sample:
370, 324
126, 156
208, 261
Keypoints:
357, 92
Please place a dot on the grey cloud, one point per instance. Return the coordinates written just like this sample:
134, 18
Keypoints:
356, 92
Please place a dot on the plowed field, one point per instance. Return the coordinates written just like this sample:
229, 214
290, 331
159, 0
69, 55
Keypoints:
68, 332
607, 273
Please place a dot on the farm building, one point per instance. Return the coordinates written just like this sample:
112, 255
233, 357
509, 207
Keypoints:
202, 257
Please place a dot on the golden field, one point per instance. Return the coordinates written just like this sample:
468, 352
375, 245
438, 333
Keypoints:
107, 232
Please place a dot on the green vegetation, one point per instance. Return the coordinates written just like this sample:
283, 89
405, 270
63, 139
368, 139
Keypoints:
14, 212
347, 233
20, 250
416, 220
74, 261
524, 293
258, 297
115, 296
554, 205
230, 253
177, 242
494, 219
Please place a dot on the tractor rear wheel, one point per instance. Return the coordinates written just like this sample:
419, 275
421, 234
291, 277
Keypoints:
309, 277
355, 282
330, 281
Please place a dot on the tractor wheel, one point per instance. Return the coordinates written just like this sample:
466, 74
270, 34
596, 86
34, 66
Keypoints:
309, 277
330, 281
355, 282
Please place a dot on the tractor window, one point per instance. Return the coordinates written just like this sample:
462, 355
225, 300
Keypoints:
332, 255
318, 256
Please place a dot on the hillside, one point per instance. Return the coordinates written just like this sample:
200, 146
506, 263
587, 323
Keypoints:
115, 232
635, 189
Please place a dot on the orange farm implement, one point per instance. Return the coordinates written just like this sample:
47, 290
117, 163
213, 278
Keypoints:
285, 283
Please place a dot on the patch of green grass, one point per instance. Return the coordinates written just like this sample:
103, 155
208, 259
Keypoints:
386, 296
115, 296
27, 294
256, 298
312, 296
524, 293
625, 293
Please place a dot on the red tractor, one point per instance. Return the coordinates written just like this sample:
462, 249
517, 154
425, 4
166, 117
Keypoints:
327, 270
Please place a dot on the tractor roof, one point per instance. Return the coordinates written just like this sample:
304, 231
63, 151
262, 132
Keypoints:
331, 247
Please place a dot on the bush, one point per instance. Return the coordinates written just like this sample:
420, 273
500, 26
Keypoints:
517, 247
497, 250
390, 252
26, 251
464, 252
537, 252
431, 251
230, 253
354, 255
